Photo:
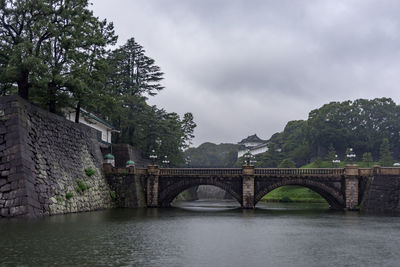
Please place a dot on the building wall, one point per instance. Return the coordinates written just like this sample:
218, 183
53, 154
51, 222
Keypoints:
42, 158
105, 131
253, 151
252, 144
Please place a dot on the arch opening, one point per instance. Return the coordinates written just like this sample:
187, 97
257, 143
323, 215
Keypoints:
293, 193
301, 193
188, 192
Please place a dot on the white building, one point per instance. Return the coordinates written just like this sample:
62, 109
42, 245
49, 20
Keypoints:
102, 127
253, 144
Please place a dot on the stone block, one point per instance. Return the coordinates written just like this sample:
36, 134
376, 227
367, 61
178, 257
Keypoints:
5, 188
18, 211
4, 212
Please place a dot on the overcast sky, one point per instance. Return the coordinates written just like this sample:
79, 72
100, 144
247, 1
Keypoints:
244, 67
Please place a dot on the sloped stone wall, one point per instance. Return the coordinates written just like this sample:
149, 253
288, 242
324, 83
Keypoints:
382, 194
43, 158
129, 189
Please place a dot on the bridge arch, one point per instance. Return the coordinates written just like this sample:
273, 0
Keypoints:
333, 196
170, 192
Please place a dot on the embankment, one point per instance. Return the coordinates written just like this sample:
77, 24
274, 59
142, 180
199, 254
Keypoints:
43, 158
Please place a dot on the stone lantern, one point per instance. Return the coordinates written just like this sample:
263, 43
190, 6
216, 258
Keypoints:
109, 159
130, 163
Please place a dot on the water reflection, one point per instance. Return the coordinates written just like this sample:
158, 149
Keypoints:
204, 233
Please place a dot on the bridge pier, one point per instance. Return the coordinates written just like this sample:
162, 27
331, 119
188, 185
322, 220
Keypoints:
351, 186
152, 186
248, 187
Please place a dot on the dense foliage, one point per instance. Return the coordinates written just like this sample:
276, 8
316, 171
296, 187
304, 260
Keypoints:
370, 127
56, 53
212, 155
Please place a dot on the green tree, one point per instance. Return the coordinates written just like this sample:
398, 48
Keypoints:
24, 27
331, 154
188, 126
133, 72
52, 48
367, 158
212, 155
318, 162
385, 158
287, 163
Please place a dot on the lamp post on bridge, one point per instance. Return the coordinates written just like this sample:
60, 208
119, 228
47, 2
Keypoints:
249, 158
336, 161
153, 157
165, 162
351, 155
187, 161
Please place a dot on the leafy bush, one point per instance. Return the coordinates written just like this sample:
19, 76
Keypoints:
90, 172
69, 195
82, 187
113, 195
286, 199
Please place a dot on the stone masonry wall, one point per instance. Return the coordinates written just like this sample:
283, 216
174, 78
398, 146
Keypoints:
382, 194
42, 157
128, 189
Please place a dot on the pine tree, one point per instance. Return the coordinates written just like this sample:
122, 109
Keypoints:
385, 156
331, 154
132, 72
287, 163
51, 49
367, 158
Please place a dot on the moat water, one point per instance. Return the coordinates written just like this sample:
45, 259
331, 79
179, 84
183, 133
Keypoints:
204, 233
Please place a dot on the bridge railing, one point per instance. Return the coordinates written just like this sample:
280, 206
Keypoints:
389, 171
299, 172
365, 171
201, 171
257, 171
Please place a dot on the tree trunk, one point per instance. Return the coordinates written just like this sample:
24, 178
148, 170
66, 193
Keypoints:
117, 136
23, 85
77, 111
52, 96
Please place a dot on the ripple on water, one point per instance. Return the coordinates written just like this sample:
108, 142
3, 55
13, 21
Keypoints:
204, 233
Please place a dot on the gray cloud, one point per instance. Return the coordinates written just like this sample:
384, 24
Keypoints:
250, 66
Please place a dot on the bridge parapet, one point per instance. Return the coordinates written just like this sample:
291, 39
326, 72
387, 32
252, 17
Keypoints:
326, 172
365, 172
200, 171
386, 170
266, 172
338, 172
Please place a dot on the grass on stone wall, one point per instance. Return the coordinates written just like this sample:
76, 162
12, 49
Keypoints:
293, 193
90, 172
69, 195
82, 187
113, 195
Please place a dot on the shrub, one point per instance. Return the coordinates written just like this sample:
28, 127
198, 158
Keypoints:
69, 195
90, 172
286, 199
82, 187
112, 195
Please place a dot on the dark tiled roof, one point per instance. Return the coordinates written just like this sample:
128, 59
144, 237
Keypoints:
252, 138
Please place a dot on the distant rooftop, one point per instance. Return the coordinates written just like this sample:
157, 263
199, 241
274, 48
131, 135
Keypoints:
252, 139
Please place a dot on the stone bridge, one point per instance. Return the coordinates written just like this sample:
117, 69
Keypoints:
343, 188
